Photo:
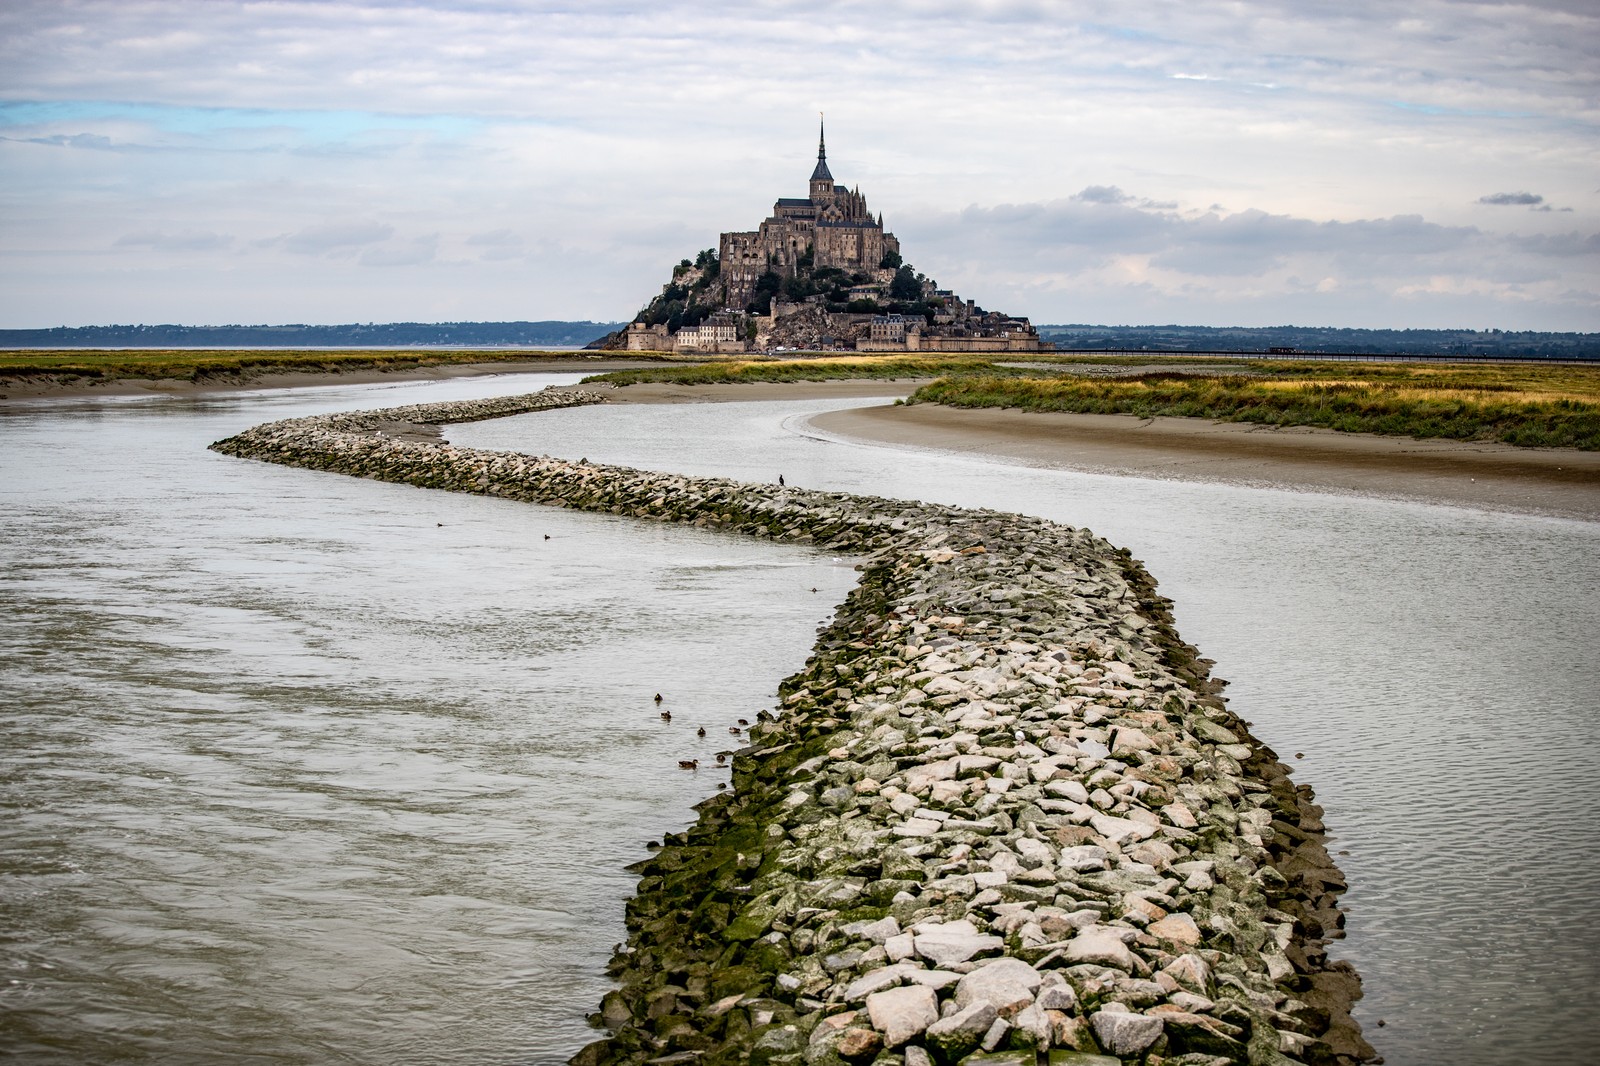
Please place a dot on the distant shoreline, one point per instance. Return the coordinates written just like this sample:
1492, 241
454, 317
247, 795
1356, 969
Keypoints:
67, 386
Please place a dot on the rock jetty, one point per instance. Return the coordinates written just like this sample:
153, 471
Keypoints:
1001, 816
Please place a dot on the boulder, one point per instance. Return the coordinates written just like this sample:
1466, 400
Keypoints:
952, 1037
1008, 985
902, 1014
1125, 1034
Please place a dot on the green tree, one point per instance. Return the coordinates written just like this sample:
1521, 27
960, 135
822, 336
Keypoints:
905, 285
890, 261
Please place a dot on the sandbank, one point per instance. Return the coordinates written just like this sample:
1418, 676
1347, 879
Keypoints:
1561, 482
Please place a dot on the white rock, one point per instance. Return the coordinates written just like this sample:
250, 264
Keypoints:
961, 1031
955, 942
1035, 853
876, 981
900, 947
1101, 945
1125, 1034
916, 827
879, 932
1007, 985
1072, 790
1180, 816
1129, 739
1190, 971
902, 1014
1178, 928
1117, 830
1084, 857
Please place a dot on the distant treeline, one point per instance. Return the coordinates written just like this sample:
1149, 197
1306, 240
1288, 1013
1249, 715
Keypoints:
1464, 342
355, 335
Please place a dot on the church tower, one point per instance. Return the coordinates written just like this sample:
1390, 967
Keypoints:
821, 178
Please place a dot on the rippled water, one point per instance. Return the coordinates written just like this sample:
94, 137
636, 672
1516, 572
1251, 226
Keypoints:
305, 769
1439, 668
300, 768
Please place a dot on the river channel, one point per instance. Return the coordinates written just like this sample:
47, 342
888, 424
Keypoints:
300, 768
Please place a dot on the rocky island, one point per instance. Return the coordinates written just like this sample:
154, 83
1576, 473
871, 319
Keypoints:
820, 272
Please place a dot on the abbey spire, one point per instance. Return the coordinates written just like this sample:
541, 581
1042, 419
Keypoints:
821, 173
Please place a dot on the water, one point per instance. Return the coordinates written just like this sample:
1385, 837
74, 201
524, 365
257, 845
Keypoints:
304, 769
1436, 666
295, 773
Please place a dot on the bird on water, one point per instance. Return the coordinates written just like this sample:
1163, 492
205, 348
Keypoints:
666, 716
688, 764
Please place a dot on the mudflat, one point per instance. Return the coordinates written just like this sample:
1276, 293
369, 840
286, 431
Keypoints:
1562, 482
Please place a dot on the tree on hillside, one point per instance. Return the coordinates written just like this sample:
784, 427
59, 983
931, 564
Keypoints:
905, 285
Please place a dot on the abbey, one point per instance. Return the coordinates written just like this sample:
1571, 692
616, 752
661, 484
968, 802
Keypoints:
820, 273
832, 225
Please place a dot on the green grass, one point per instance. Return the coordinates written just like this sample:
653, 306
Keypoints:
1521, 404
1529, 406
864, 367
191, 364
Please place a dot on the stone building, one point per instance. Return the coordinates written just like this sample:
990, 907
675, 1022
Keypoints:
832, 223
719, 333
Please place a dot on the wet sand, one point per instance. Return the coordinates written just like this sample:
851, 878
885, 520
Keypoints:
1562, 482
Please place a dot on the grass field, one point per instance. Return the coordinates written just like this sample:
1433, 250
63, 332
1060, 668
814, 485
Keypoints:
193, 364
1521, 404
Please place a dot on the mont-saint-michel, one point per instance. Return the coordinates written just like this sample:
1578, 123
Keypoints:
819, 272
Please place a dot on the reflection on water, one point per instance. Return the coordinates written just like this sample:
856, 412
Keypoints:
1437, 667
305, 769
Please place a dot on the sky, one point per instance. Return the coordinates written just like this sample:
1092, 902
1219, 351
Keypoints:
1431, 164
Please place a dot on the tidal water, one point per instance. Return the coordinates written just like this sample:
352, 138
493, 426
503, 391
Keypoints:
1438, 668
299, 768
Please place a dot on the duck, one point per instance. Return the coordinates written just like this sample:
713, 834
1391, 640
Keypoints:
700, 732
658, 697
744, 721
666, 716
734, 730
688, 764
722, 757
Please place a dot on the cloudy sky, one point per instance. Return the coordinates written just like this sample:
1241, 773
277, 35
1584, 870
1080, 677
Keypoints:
1361, 163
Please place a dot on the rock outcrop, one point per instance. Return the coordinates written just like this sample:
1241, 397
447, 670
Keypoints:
1002, 814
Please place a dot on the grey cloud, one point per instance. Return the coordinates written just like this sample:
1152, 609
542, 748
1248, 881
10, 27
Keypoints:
416, 251
1246, 243
1506, 199
314, 240
1102, 194
498, 245
185, 241
94, 141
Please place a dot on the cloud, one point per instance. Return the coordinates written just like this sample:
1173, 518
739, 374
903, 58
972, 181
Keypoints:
94, 141
317, 240
1506, 199
417, 251
184, 241
498, 245
1102, 194
503, 127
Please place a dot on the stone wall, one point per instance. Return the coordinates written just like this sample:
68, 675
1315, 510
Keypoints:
1002, 812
